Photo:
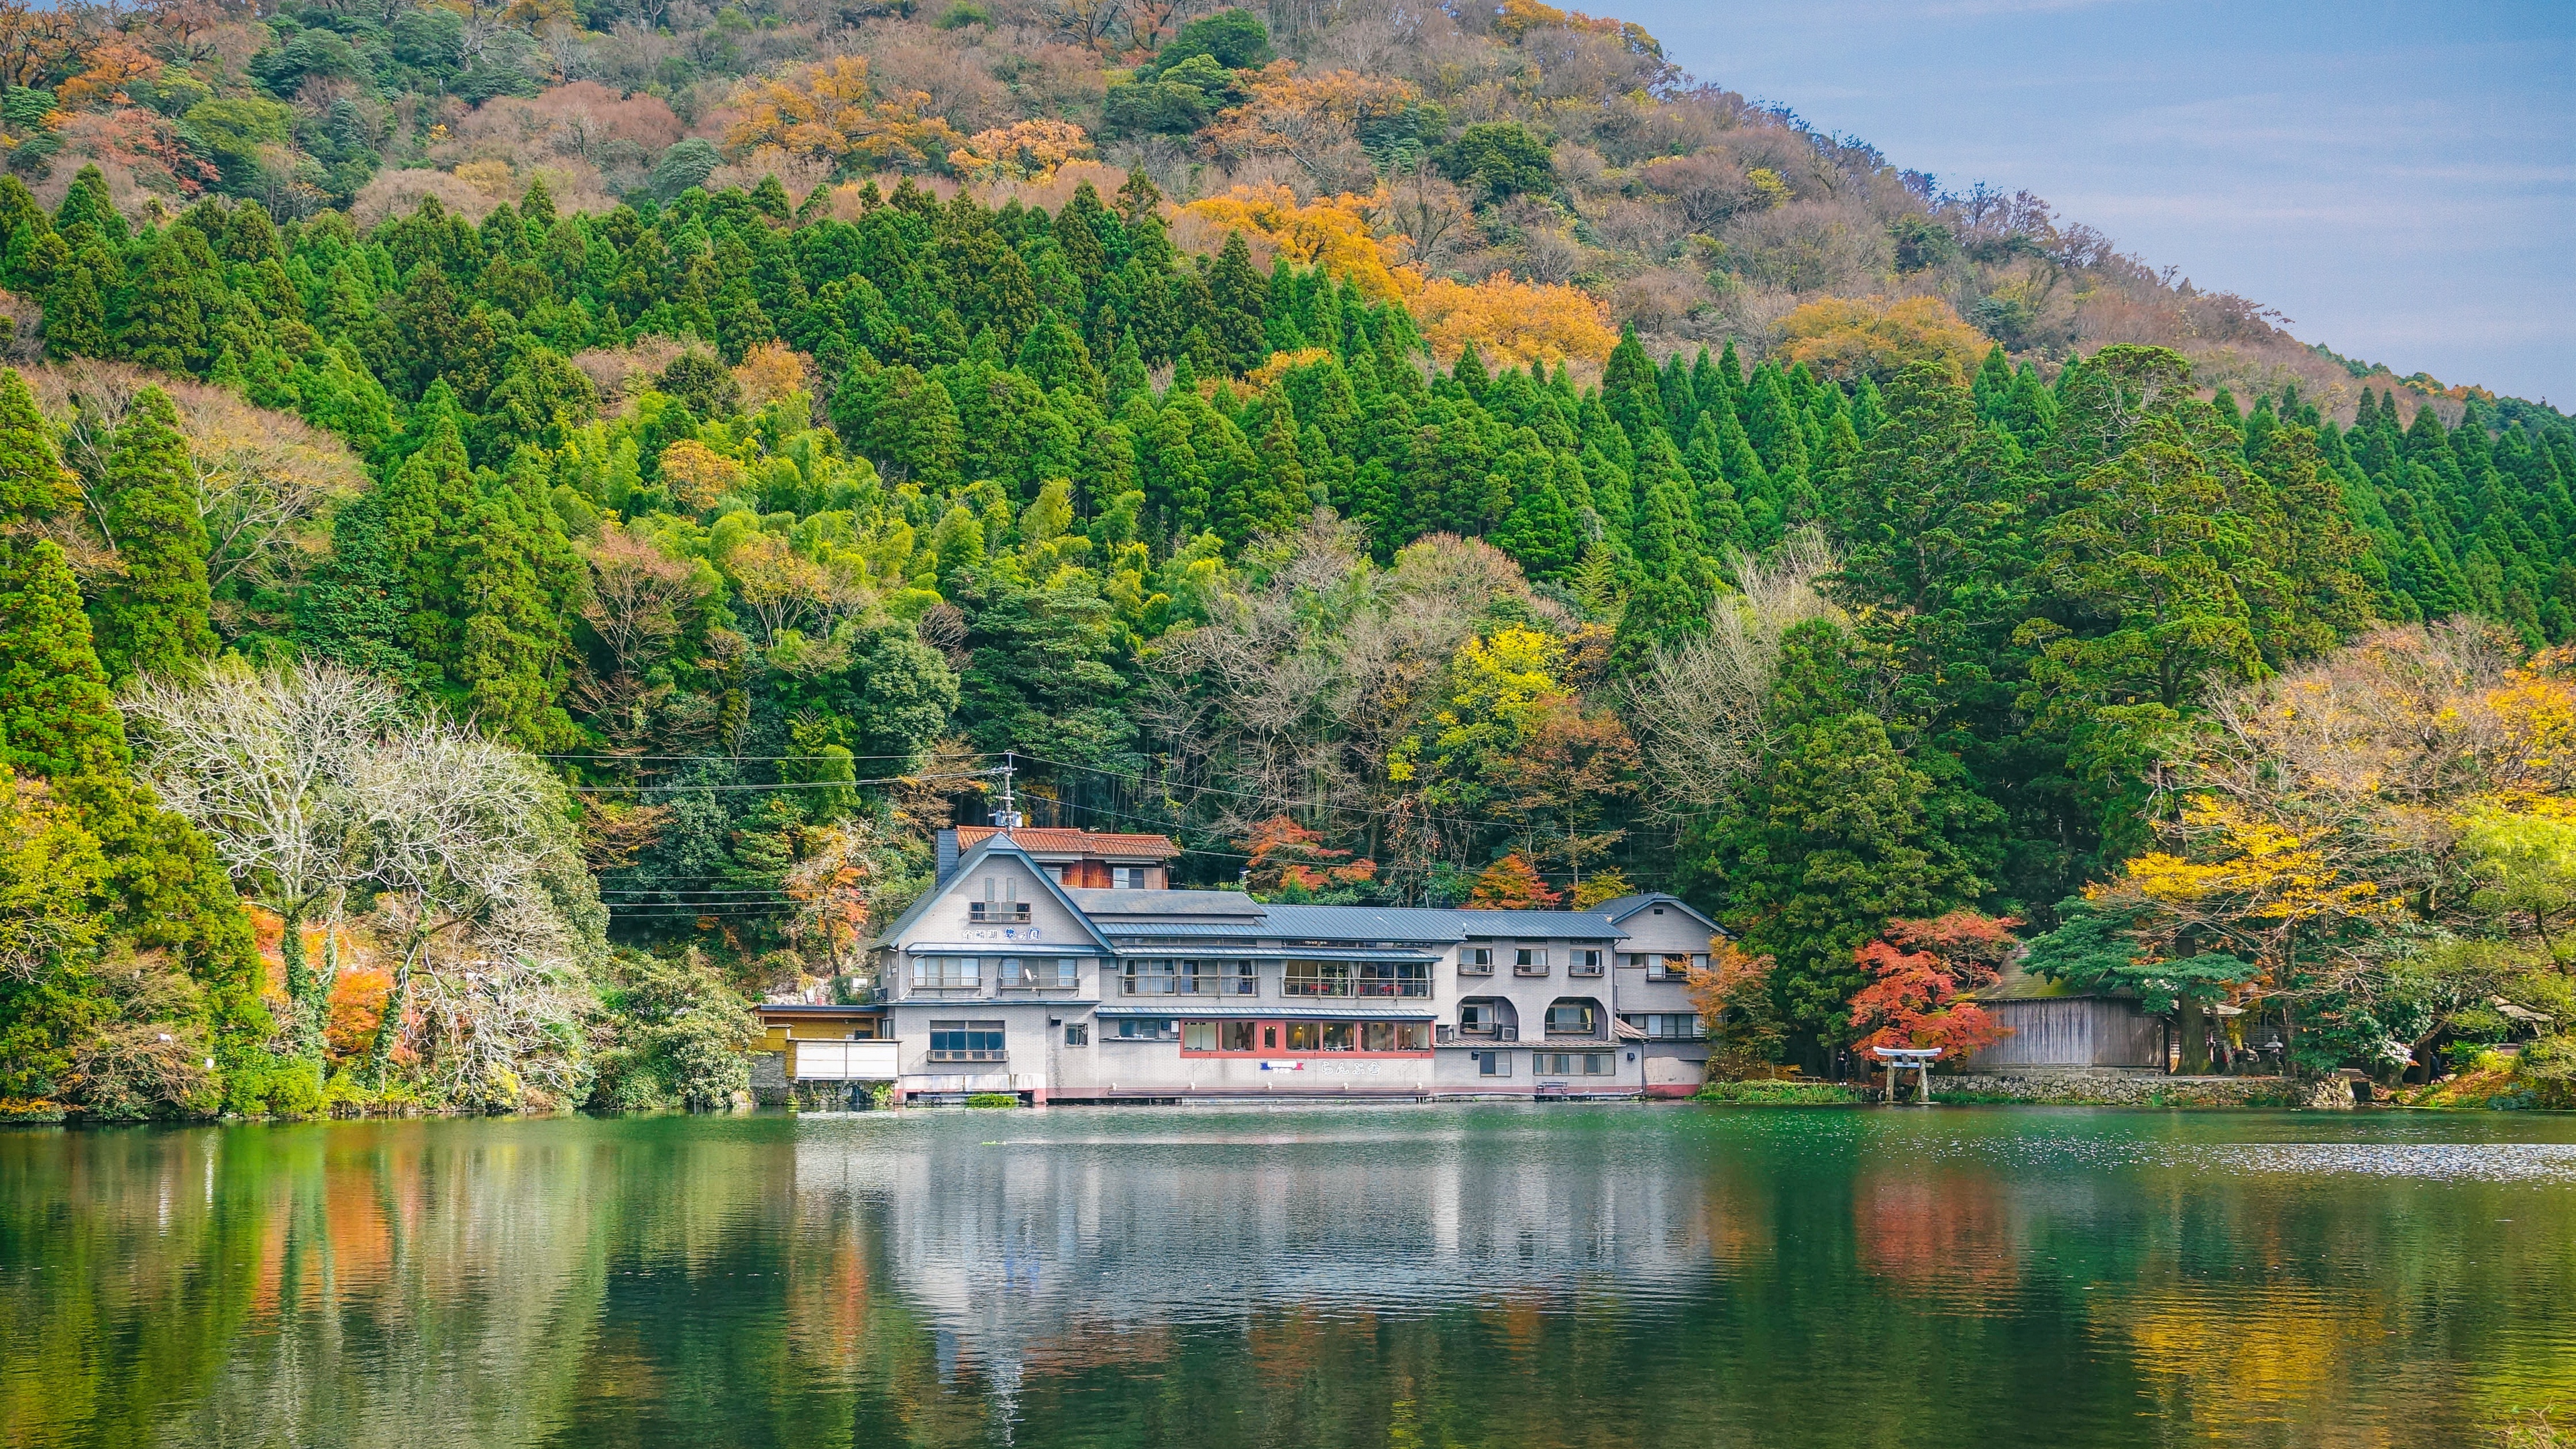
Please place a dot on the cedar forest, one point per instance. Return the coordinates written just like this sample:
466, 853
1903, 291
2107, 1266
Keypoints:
517, 523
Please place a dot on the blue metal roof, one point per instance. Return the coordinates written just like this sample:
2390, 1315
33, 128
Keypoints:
1621, 908
1300, 1012
1134, 950
1532, 925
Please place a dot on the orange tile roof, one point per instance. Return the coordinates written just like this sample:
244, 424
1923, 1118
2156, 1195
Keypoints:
1052, 841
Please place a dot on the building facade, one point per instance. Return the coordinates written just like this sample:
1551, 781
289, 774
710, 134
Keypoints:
1004, 978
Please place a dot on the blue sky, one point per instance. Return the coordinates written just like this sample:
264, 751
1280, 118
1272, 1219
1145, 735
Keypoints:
2399, 180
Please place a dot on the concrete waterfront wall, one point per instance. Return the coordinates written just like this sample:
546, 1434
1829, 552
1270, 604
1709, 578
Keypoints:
2112, 1088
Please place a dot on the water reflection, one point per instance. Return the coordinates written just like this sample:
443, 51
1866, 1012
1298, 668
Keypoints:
1538, 1276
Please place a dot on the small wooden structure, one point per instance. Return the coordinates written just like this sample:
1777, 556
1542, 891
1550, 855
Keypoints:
2052, 1026
1899, 1058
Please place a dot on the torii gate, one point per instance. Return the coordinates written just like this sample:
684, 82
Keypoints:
1899, 1058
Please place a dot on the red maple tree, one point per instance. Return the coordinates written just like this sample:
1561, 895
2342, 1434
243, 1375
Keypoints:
1918, 971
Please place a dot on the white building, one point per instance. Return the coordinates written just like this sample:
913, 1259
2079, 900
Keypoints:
1004, 979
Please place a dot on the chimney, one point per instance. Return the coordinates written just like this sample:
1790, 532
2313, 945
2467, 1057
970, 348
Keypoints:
947, 854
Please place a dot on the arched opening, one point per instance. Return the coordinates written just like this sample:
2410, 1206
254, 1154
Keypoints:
1488, 1018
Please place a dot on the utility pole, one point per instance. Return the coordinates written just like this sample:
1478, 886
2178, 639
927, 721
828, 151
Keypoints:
1008, 817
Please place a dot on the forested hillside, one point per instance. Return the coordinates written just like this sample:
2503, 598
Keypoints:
451, 654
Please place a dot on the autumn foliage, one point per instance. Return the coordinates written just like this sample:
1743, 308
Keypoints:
1513, 323
1331, 232
1512, 884
1918, 972
1020, 151
1853, 337
824, 111
1288, 857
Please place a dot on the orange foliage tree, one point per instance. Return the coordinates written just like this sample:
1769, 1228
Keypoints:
825, 111
1733, 996
1288, 858
1020, 151
1313, 120
1513, 323
1918, 970
1331, 232
1851, 337
1512, 884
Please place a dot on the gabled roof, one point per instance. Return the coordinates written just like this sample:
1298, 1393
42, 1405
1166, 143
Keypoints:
1620, 908
997, 845
1050, 840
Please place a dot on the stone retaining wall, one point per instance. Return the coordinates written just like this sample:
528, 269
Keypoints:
2143, 1089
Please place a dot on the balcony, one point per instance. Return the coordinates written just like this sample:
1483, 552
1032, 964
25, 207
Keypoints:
1475, 968
1201, 985
1537, 969
998, 913
938, 1056
1578, 968
1453, 1035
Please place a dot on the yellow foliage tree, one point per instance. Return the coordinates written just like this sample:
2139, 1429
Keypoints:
1020, 151
769, 372
1331, 232
698, 474
1513, 323
1851, 337
825, 111
1313, 120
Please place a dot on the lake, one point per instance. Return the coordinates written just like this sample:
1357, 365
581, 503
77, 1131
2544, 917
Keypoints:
1407, 1276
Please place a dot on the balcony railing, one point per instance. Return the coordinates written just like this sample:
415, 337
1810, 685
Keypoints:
1200, 985
1343, 986
1537, 969
997, 912
1577, 968
970, 1056
1479, 1033
1475, 968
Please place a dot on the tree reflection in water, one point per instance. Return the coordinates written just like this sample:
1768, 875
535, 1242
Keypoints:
1561, 1275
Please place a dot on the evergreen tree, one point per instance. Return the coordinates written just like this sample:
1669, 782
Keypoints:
154, 615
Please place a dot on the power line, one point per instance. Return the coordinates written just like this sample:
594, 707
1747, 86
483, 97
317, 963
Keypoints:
1282, 801
735, 759
678, 788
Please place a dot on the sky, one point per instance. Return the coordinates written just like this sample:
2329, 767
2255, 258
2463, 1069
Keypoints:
2400, 180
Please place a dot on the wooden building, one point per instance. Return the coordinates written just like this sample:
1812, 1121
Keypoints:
2054, 1026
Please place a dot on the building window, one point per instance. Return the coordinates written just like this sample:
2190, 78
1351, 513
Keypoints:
947, 973
1198, 1036
967, 1041
1077, 1034
1493, 1064
1317, 978
1476, 961
1149, 1028
1394, 978
1666, 1025
1305, 1036
1039, 973
1573, 1016
1529, 961
1127, 877
1395, 1036
1162, 977
1572, 1064
1582, 963
1008, 907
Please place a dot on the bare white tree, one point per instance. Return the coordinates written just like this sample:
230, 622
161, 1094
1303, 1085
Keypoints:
317, 788
265, 763
1700, 708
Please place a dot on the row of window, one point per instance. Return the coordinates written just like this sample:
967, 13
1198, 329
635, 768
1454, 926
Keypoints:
1549, 1064
1566, 1016
1256, 1037
1191, 977
1665, 965
1527, 961
1022, 973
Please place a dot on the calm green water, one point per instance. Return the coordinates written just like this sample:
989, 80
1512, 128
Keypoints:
1559, 1275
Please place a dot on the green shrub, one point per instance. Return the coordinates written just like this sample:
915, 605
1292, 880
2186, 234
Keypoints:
993, 1099
1778, 1094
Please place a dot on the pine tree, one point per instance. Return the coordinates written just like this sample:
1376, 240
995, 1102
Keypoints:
154, 615
1241, 302
87, 203
516, 578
